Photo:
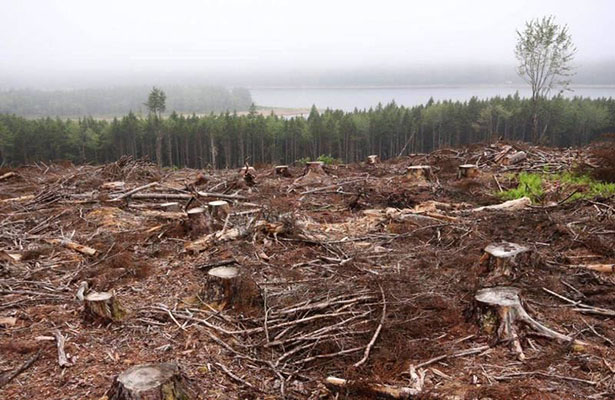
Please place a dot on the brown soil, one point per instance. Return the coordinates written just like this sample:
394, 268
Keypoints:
314, 247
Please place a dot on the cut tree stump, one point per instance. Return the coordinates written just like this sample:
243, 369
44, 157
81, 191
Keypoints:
315, 167
222, 286
419, 173
467, 171
198, 221
373, 159
219, 209
501, 259
247, 170
162, 381
505, 302
282, 170
104, 305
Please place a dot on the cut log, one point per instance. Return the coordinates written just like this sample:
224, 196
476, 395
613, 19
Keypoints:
282, 170
373, 159
219, 209
150, 382
505, 302
514, 158
467, 171
222, 286
510, 205
104, 305
419, 173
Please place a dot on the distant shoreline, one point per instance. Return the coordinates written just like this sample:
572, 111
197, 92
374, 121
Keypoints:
438, 86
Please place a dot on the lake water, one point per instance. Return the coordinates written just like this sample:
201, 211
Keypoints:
349, 98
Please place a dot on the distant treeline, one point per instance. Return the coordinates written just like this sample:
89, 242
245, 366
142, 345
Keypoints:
121, 101
227, 140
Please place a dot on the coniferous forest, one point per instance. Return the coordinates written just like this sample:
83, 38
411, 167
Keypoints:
228, 140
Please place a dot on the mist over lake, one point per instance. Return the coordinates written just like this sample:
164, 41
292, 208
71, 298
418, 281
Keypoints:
365, 97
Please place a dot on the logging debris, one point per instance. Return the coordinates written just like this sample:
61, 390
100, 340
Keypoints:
305, 282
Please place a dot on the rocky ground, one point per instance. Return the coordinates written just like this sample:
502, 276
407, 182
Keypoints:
360, 272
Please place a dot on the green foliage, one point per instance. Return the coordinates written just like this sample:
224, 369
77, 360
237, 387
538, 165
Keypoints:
228, 139
328, 160
530, 185
545, 52
156, 102
534, 186
302, 161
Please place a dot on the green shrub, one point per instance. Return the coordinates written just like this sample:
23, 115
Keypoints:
328, 160
530, 185
303, 161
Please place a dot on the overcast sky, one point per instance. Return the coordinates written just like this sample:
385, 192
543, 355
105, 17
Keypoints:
132, 36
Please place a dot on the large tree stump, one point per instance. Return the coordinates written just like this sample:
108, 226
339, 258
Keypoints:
467, 171
219, 209
282, 170
373, 159
150, 382
222, 286
315, 167
501, 259
104, 305
198, 221
504, 304
419, 173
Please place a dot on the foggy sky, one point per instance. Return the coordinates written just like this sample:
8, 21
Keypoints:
84, 41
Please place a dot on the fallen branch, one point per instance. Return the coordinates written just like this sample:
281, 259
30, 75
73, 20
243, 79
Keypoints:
69, 244
510, 205
369, 346
62, 359
379, 390
135, 190
9, 376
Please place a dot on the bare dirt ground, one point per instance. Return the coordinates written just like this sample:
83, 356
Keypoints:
357, 272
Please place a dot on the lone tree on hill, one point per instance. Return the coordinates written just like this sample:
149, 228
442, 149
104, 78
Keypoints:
545, 52
156, 106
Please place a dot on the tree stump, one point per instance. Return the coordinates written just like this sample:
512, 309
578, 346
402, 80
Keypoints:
222, 286
104, 305
219, 209
315, 167
198, 221
247, 170
504, 303
419, 173
282, 170
500, 259
467, 171
150, 382
373, 159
